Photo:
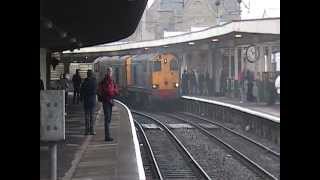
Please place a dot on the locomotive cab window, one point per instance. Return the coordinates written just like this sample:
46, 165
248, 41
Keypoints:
174, 65
157, 65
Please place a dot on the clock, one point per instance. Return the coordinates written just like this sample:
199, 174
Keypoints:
252, 53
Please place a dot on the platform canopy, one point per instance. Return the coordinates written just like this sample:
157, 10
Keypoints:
72, 24
255, 30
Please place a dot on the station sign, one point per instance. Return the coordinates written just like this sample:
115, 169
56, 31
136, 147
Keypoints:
52, 115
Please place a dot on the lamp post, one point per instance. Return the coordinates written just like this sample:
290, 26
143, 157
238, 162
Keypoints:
217, 3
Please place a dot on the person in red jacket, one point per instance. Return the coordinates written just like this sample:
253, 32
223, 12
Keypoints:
107, 90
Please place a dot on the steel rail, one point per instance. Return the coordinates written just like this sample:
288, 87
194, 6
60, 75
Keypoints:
244, 157
154, 161
234, 132
195, 163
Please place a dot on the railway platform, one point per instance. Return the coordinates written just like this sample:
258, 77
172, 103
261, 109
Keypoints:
256, 119
90, 157
273, 110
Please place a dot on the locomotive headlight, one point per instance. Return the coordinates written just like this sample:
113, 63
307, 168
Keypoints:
177, 85
154, 86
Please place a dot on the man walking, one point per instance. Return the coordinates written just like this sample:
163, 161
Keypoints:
76, 79
88, 95
107, 90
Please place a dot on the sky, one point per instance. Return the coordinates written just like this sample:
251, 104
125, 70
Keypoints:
256, 8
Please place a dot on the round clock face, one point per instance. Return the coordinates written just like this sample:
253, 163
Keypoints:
252, 54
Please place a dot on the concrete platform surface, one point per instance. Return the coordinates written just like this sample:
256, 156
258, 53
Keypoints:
90, 157
259, 108
116, 160
67, 149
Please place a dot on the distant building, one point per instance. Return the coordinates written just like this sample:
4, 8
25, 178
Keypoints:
183, 16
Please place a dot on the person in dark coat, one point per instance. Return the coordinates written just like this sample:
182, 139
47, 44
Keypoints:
201, 83
88, 96
250, 78
207, 84
41, 85
185, 82
41, 89
107, 90
76, 79
193, 83
271, 91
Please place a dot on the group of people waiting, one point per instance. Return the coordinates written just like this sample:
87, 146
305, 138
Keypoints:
104, 91
63, 84
250, 89
88, 91
193, 83
259, 89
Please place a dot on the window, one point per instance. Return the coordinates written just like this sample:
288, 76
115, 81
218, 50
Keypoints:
156, 65
174, 65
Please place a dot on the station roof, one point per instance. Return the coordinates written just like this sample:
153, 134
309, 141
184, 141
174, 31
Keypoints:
269, 27
67, 25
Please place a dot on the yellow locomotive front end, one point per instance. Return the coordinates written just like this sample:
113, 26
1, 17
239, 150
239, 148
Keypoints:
165, 77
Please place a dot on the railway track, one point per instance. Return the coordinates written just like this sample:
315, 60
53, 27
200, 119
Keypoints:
255, 155
151, 168
170, 158
218, 162
270, 147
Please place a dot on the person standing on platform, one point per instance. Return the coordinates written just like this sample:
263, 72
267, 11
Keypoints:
76, 80
271, 91
259, 85
206, 84
241, 86
184, 82
196, 75
250, 86
63, 85
255, 92
193, 83
190, 86
201, 83
277, 85
88, 92
41, 89
107, 90
41, 84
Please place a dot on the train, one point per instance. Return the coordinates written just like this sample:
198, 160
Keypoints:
145, 79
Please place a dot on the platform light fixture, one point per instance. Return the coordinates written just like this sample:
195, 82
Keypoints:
146, 48
63, 34
238, 35
80, 44
73, 40
191, 43
214, 40
48, 24
166, 46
